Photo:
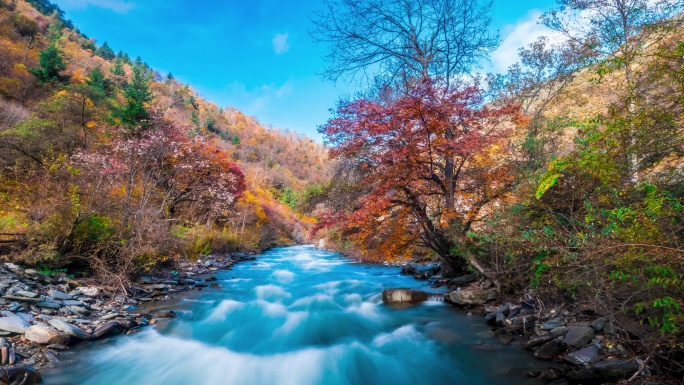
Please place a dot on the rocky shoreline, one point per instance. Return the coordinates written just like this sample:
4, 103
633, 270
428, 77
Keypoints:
580, 349
42, 315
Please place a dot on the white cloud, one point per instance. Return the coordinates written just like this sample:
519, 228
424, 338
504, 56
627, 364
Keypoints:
119, 6
257, 99
518, 35
280, 43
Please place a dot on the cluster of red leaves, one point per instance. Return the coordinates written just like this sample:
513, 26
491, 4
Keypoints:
433, 158
182, 171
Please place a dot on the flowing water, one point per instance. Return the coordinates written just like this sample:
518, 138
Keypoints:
301, 316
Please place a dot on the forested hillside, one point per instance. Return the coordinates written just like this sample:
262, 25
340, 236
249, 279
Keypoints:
108, 168
560, 181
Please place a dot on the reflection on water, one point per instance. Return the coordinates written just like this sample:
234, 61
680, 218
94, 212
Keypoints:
302, 316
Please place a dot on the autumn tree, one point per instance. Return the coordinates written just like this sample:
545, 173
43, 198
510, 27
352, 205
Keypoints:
434, 161
400, 39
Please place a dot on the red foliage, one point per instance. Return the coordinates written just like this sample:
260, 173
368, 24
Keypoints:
432, 159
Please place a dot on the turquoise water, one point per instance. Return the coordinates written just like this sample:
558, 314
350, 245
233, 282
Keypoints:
301, 316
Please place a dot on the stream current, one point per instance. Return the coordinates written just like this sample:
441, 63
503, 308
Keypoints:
300, 316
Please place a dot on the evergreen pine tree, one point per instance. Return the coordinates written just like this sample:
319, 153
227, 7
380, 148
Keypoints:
51, 63
99, 81
105, 52
134, 114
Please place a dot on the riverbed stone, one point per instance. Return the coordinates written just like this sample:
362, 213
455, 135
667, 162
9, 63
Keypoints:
27, 294
90, 291
539, 340
20, 375
585, 356
56, 294
606, 371
579, 335
550, 349
473, 296
109, 329
492, 317
49, 304
69, 329
14, 324
46, 335
554, 323
403, 296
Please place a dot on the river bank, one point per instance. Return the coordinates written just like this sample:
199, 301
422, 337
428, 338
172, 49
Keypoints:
44, 315
62, 323
580, 347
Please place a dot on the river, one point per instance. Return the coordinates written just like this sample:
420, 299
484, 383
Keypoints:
301, 316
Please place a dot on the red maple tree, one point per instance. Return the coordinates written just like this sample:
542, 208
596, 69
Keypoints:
433, 160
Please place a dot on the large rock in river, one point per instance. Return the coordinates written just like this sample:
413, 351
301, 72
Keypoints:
403, 296
469, 296
20, 375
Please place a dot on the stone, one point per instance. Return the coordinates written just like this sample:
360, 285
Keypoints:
463, 280
27, 294
501, 320
49, 304
20, 375
21, 299
550, 349
585, 356
403, 296
560, 331
492, 317
73, 302
109, 329
606, 371
554, 323
538, 340
44, 335
579, 335
14, 324
426, 272
69, 329
56, 294
471, 296
165, 314
90, 291
51, 356
77, 310
609, 328
110, 316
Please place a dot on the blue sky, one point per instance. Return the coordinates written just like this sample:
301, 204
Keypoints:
255, 55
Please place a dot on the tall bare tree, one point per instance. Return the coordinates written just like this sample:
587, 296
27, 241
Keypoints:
404, 39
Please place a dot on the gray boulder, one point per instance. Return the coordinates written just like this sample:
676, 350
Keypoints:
579, 335
550, 349
56, 294
403, 296
109, 329
466, 297
45, 335
14, 324
20, 375
606, 371
69, 329
584, 356
554, 323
